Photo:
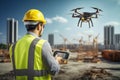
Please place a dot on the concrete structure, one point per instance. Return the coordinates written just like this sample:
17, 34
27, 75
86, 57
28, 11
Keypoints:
12, 31
117, 41
15, 30
51, 39
109, 37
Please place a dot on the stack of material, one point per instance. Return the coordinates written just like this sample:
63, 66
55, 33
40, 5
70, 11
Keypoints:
88, 56
4, 56
112, 55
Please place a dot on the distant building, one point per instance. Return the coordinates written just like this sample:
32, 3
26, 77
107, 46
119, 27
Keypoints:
15, 30
12, 31
51, 39
117, 41
109, 37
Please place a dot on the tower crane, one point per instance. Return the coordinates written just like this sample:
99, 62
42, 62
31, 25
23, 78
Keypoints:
80, 42
89, 36
95, 41
65, 41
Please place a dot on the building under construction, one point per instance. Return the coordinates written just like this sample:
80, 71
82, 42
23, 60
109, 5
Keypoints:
12, 31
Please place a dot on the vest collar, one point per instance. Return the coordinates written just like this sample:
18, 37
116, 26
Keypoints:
33, 34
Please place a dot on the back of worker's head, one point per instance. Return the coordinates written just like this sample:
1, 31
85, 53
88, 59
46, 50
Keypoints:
33, 18
31, 25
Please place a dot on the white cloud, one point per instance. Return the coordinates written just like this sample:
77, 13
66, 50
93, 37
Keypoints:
114, 23
49, 20
60, 19
57, 19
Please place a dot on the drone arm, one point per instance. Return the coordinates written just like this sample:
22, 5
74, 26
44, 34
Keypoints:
75, 15
91, 22
78, 13
79, 22
94, 13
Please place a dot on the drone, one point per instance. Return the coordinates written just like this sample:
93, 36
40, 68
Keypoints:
85, 16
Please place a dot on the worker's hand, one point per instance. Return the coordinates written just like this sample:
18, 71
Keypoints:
59, 59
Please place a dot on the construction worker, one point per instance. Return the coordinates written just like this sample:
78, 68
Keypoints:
32, 56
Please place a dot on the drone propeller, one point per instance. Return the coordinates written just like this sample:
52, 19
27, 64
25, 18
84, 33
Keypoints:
77, 8
80, 8
97, 9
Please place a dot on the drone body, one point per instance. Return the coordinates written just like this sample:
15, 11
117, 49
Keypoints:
85, 16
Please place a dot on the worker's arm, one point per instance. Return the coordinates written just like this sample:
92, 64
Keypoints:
49, 60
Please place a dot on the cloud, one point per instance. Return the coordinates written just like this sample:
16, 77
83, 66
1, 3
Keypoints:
49, 20
60, 19
114, 23
57, 19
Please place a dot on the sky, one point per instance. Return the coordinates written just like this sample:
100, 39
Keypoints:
59, 19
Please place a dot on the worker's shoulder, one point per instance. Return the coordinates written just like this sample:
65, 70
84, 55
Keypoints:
43, 41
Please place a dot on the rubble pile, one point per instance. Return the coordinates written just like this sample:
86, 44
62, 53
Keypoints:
4, 56
92, 74
96, 74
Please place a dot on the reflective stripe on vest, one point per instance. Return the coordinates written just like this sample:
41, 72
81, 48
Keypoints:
30, 72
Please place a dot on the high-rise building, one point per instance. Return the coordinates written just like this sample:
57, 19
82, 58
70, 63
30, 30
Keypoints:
51, 39
117, 41
109, 37
12, 31
15, 30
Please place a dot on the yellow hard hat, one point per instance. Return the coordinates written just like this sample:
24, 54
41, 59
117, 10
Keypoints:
34, 15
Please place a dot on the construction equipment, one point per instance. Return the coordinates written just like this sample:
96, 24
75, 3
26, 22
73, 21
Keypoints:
89, 37
95, 43
80, 42
111, 55
65, 42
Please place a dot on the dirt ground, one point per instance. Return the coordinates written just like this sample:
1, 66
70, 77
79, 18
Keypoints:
76, 70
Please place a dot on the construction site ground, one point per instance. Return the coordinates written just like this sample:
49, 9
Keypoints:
76, 70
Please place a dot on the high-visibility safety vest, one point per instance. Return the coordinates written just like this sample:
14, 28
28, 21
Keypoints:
26, 57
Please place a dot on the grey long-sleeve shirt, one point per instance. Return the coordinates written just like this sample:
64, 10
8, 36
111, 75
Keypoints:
48, 59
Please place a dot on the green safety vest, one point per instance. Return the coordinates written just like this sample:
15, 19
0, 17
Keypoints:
26, 57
